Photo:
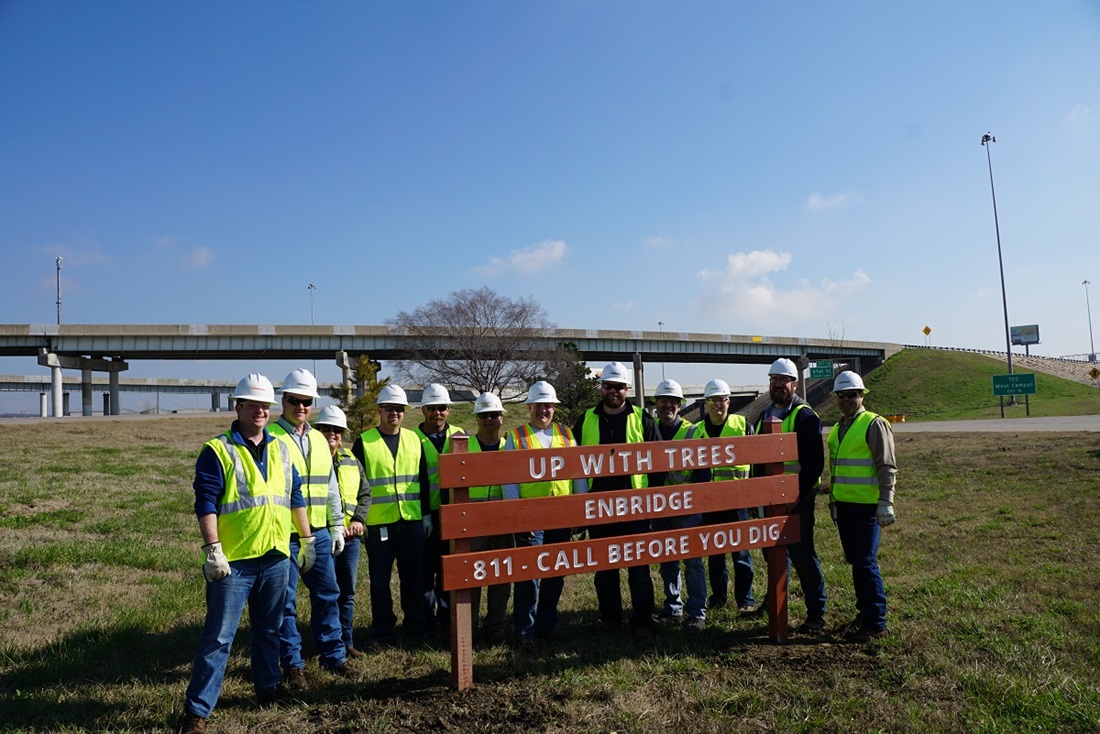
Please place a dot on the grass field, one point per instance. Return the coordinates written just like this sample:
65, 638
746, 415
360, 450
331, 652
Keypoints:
993, 605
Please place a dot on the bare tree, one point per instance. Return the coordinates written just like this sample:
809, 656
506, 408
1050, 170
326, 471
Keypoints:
479, 339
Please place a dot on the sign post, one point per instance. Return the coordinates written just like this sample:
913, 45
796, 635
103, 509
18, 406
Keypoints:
1016, 384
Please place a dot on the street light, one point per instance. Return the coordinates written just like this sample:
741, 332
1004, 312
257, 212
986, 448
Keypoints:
1088, 307
312, 287
58, 261
986, 140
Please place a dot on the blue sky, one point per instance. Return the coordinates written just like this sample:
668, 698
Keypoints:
780, 168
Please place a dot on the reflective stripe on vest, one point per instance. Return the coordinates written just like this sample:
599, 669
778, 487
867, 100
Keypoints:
315, 471
561, 437
492, 492
432, 455
850, 461
791, 467
253, 512
686, 430
349, 478
734, 426
394, 481
590, 436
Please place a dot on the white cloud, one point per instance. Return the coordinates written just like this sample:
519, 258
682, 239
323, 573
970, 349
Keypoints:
743, 296
165, 241
819, 202
530, 259
198, 258
658, 243
625, 307
1083, 113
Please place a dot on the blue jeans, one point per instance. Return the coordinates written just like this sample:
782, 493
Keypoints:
742, 564
261, 583
535, 608
495, 620
803, 557
693, 572
609, 595
346, 566
859, 536
325, 616
403, 543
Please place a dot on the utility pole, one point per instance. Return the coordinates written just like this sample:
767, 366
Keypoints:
58, 261
1088, 306
987, 139
312, 287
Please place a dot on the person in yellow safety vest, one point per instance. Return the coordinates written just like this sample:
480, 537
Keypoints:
247, 498
535, 609
435, 436
394, 514
489, 413
863, 469
671, 427
799, 418
718, 421
322, 495
333, 423
616, 421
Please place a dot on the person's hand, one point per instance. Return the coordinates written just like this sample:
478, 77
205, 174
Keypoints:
307, 554
427, 521
215, 567
884, 513
356, 529
337, 534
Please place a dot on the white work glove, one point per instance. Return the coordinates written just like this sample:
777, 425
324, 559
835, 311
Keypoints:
216, 567
307, 554
427, 521
337, 534
885, 513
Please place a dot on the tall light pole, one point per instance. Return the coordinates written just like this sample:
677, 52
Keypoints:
312, 287
58, 261
1088, 307
986, 140
661, 328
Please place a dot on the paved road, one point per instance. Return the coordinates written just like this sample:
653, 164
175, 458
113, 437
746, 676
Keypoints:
1004, 425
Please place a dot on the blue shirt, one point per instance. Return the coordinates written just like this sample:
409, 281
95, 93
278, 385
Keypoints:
210, 481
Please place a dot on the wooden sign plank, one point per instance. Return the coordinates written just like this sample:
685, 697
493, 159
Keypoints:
467, 570
476, 519
510, 467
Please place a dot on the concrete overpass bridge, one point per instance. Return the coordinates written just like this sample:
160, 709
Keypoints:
109, 348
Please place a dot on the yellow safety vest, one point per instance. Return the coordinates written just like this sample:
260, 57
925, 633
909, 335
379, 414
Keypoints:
432, 455
791, 467
854, 475
492, 492
686, 430
525, 438
349, 478
394, 481
734, 426
590, 436
253, 511
314, 470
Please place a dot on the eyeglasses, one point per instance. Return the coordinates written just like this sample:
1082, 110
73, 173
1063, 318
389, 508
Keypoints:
781, 379
718, 399
489, 416
437, 408
331, 429
849, 394
614, 386
306, 402
393, 408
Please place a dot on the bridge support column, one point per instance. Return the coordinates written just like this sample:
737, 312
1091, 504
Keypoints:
43, 404
107, 404
116, 405
60, 404
86, 391
215, 402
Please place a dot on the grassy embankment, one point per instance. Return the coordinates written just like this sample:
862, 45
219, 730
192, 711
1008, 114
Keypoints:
994, 599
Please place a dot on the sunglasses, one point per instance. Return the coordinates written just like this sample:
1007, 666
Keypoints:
393, 408
437, 408
490, 416
849, 394
306, 402
331, 429
614, 387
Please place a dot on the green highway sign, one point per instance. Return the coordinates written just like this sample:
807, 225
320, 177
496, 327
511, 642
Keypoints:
1013, 384
821, 370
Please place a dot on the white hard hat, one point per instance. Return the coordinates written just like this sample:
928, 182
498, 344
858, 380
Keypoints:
392, 395
487, 402
785, 367
541, 392
848, 380
255, 387
615, 372
331, 415
716, 388
669, 389
435, 394
300, 382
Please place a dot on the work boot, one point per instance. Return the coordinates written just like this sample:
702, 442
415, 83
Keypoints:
354, 653
296, 679
193, 725
344, 670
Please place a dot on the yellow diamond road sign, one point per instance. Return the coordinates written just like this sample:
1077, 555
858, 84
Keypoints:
927, 330
1094, 373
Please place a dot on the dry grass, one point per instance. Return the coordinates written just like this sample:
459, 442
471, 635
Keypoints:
992, 582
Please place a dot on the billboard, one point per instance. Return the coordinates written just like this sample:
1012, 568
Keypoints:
1025, 334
